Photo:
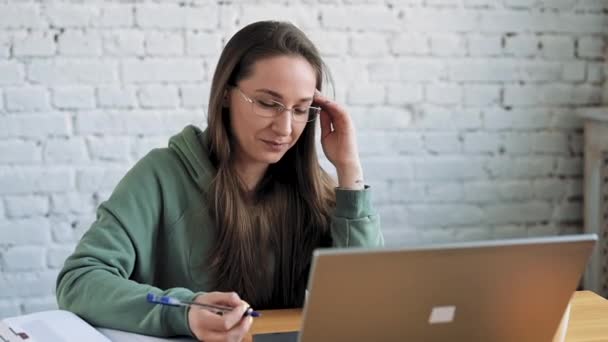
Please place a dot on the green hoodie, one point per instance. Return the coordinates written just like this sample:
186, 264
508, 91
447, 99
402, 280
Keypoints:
152, 234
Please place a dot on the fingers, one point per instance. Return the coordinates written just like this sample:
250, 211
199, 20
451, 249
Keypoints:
337, 115
220, 298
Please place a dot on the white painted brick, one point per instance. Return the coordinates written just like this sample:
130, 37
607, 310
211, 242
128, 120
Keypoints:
467, 118
547, 142
481, 142
496, 192
403, 93
557, 4
465, 234
385, 168
25, 125
74, 97
484, 45
434, 20
410, 44
521, 45
109, 149
172, 16
596, 72
591, 47
6, 41
31, 231
26, 206
24, 258
64, 71
378, 143
68, 230
116, 97
27, 99
568, 212
80, 43
481, 95
447, 45
342, 72
440, 143
375, 18
363, 94
19, 151
437, 215
510, 232
72, 203
540, 71
195, 96
202, 43
521, 212
381, 117
565, 119
142, 145
574, 71
443, 93
163, 70
549, 189
483, 70
329, 43
56, 256
28, 284
480, 3
443, 3
21, 16
135, 122
12, 73
94, 179
65, 150
164, 43
31, 305
518, 143
369, 45
586, 94
407, 70
9, 308
570, 167
444, 192
303, 17
34, 44
521, 167
517, 95
113, 16
63, 15
405, 191
158, 96
592, 6
449, 168
123, 43
557, 47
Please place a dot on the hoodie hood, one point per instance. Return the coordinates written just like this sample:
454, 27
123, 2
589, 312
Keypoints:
191, 146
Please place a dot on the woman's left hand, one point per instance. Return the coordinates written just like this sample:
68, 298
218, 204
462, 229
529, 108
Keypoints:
339, 142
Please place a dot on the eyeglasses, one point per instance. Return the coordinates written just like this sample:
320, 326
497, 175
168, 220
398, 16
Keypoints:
269, 108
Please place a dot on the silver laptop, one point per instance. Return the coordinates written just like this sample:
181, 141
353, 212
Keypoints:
503, 290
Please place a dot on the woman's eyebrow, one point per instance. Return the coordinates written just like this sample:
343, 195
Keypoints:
279, 96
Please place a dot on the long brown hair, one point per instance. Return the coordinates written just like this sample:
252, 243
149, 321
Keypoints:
263, 247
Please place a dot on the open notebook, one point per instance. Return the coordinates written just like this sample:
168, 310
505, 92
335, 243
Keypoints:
64, 326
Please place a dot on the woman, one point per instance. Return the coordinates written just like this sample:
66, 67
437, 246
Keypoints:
236, 209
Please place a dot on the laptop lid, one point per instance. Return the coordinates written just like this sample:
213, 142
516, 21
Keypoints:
502, 290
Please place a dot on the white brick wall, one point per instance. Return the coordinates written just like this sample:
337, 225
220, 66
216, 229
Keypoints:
465, 111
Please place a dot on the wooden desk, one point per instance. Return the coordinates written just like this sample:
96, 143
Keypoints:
588, 319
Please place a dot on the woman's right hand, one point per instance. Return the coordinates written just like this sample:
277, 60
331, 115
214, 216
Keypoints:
210, 327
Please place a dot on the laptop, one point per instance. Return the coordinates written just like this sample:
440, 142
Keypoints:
502, 290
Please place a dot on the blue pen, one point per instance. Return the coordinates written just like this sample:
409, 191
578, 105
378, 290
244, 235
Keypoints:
218, 309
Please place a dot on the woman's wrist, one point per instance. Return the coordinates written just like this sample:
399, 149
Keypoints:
350, 177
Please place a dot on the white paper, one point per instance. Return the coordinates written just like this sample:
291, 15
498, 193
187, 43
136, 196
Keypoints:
55, 326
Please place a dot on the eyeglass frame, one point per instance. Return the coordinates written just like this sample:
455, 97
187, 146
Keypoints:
282, 108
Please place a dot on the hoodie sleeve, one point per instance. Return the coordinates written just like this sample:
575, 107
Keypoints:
354, 222
97, 280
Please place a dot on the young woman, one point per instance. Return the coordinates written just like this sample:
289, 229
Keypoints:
229, 215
